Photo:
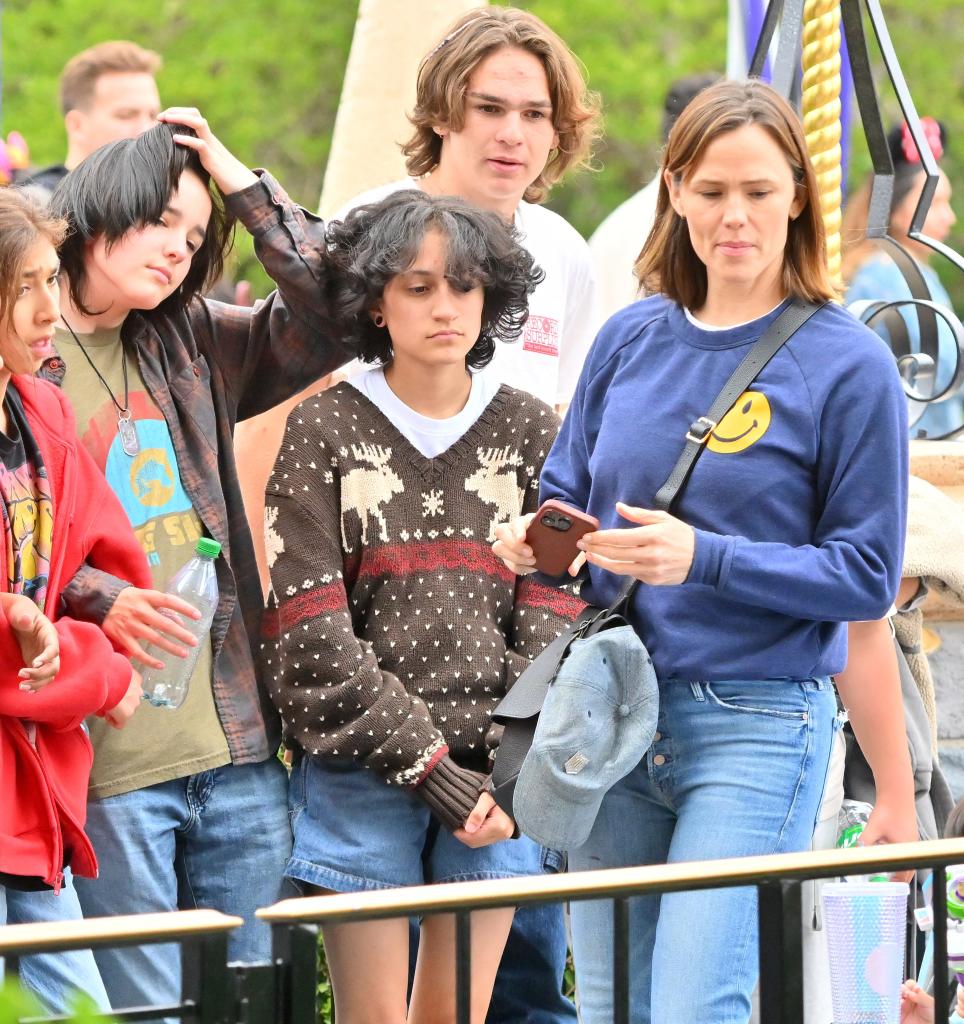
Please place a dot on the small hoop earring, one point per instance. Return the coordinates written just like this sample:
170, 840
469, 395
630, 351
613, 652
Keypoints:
378, 320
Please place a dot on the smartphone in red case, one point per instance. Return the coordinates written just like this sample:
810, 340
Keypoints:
553, 534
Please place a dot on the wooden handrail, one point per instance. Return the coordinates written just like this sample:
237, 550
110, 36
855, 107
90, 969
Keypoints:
610, 883
55, 936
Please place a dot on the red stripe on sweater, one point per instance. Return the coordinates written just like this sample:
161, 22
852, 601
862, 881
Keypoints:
307, 605
430, 556
532, 594
436, 757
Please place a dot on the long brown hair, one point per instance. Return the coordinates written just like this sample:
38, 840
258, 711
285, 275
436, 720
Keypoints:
23, 221
443, 80
668, 262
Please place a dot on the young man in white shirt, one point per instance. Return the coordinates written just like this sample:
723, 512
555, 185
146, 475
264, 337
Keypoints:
501, 114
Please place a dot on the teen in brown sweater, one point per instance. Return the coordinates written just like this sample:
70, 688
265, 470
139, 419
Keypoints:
394, 629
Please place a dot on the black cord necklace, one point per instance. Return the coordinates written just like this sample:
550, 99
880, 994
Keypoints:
126, 428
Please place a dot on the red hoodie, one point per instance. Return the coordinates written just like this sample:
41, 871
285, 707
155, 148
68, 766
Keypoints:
43, 787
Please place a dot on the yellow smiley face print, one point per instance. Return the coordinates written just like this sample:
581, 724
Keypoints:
743, 425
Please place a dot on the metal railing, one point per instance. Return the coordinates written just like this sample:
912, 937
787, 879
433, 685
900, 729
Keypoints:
777, 879
203, 934
285, 990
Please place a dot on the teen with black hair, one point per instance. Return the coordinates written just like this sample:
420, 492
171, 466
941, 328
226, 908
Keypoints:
396, 629
188, 809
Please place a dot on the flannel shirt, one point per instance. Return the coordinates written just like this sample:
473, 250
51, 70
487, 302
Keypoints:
208, 366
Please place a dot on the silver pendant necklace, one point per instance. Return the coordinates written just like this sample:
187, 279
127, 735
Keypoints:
126, 427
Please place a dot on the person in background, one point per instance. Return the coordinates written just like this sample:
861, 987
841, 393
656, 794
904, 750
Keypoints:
107, 92
189, 809
615, 244
57, 513
869, 273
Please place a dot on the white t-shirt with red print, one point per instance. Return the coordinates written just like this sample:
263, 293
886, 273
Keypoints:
547, 359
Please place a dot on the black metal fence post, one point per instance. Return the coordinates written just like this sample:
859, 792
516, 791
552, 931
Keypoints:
294, 950
206, 981
463, 967
939, 903
780, 917
621, 962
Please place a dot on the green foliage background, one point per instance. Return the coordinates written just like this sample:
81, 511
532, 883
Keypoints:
268, 76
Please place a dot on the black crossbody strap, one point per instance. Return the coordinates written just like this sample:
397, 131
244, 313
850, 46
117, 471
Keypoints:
778, 334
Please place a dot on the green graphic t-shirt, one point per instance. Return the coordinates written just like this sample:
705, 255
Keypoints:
157, 744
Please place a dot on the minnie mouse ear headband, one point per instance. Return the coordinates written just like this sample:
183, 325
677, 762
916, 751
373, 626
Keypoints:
901, 142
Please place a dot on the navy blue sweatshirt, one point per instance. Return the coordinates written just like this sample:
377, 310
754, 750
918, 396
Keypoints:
799, 501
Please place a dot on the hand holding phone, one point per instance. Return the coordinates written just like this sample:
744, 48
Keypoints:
553, 534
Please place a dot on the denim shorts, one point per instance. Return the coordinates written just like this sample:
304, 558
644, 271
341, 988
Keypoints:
353, 832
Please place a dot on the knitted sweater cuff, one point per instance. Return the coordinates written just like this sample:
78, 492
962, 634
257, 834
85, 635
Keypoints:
451, 792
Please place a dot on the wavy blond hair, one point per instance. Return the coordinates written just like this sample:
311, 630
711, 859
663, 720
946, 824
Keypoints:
443, 80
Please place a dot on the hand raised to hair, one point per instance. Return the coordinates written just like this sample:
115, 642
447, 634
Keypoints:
226, 170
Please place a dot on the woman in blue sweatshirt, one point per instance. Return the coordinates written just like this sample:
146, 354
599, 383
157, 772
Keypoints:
791, 525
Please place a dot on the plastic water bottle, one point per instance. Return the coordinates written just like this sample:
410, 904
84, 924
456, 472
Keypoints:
197, 583
851, 821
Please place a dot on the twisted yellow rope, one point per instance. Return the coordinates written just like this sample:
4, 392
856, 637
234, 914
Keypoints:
821, 114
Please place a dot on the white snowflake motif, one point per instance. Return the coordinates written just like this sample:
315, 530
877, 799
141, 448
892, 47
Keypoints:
329, 476
273, 541
433, 503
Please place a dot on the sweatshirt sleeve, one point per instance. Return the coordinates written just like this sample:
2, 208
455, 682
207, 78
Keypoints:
92, 678
114, 558
851, 571
327, 684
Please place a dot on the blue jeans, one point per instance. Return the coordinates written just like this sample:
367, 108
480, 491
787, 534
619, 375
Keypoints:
737, 768
218, 840
54, 978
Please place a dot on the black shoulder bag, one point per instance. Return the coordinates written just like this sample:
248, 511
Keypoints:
519, 710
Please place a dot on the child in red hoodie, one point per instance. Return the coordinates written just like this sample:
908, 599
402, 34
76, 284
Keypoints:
57, 513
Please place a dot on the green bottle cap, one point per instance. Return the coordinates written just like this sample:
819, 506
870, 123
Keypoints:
206, 546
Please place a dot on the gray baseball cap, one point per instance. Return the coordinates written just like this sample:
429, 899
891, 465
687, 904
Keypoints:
597, 722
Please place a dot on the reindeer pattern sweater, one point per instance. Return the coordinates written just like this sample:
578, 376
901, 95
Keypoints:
393, 630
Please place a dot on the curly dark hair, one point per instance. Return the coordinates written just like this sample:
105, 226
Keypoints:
379, 241
126, 185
